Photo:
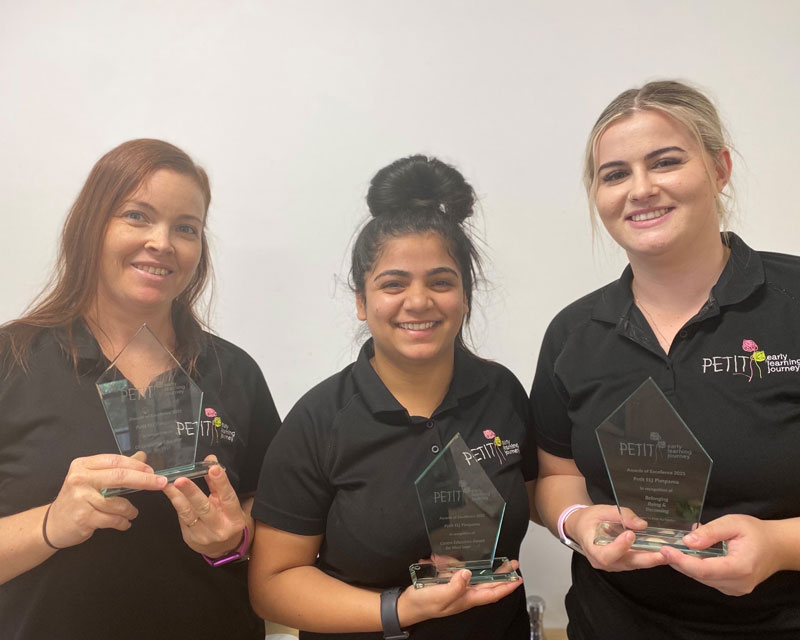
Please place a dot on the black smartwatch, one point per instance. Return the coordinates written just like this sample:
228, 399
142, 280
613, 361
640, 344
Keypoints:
389, 620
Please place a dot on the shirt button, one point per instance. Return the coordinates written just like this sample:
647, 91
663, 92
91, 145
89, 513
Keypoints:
684, 333
435, 448
429, 424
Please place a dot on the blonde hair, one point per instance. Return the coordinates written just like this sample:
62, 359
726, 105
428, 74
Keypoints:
679, 101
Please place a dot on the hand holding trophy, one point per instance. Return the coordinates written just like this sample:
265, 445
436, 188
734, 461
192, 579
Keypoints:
153, 406
463, 513
657, 469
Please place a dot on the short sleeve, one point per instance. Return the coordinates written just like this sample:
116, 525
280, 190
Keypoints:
530, 460
264, 424
293, 493
548, 400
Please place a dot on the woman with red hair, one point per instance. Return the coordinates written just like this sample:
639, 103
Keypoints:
73, 562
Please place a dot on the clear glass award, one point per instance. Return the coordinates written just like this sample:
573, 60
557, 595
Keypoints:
658, 469
152, 405
463, 513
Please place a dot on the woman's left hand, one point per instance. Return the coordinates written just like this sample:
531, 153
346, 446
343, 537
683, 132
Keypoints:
212, 525
753, 554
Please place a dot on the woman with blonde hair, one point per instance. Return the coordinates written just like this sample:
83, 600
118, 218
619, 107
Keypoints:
690, 311
73, 561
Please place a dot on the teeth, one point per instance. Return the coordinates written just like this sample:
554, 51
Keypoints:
649, 215
156, 271
415, 326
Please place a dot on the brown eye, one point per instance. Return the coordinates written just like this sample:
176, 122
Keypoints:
666, 162
613, 176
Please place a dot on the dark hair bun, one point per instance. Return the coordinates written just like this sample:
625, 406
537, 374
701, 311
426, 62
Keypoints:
420, 184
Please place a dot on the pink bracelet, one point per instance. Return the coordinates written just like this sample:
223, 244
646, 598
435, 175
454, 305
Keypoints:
566, 513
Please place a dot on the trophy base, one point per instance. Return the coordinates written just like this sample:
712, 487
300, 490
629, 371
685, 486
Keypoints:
425, 574
653, 538
194, 470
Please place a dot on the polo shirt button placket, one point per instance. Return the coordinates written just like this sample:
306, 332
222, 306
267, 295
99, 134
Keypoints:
669, 379
435, 448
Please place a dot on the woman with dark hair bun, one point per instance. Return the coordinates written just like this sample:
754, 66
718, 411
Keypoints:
339, 521
75, 563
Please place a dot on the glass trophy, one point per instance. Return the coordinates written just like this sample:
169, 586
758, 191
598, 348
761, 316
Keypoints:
152, 405
463, 512
658, 469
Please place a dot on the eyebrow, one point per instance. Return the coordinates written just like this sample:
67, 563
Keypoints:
149, 207
649, 156
407, 274
139, 203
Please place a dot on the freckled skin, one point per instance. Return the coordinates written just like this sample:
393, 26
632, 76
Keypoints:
159, 225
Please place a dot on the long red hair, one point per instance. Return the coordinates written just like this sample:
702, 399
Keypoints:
73, 286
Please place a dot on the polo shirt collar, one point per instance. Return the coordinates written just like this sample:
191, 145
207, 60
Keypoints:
743, 274
87, 347
615, 299
467, 380
85, 343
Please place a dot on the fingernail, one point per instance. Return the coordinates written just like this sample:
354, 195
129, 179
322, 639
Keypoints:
690, 537
629, 536
162, 481
215, 471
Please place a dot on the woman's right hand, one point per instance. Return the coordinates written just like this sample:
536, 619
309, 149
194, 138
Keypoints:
437, 601
581, 526
80, 508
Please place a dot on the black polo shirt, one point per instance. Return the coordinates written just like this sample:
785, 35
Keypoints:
344, 463
144, 582
733, 374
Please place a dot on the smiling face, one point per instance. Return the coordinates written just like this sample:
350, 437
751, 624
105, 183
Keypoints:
152, 245
656, 186
413, 301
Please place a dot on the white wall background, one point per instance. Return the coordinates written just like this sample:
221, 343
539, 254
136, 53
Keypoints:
293, 105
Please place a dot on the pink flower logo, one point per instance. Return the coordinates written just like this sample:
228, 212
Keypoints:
211, 413
489, 434
749, 346
757, 356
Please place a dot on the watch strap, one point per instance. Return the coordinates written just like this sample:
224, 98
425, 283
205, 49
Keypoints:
237, 554
389, 620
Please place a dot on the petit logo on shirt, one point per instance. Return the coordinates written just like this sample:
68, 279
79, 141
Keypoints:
754, 363
212, 428
495, 449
